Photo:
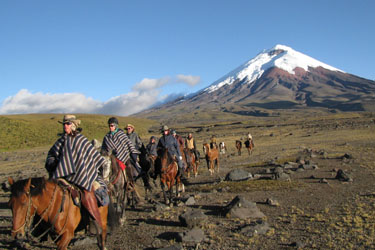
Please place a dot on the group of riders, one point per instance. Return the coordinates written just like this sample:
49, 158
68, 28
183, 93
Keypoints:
74, 158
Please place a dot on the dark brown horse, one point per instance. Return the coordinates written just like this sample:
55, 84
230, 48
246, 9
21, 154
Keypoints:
192, 162
54, 205
249, 144
238, 146
168, 174
212, 157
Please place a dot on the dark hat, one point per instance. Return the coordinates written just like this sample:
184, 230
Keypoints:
113, 120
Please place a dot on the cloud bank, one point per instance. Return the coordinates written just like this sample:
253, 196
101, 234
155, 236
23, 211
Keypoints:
143, 95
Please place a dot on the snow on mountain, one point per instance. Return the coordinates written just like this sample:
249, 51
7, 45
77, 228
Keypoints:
280, 56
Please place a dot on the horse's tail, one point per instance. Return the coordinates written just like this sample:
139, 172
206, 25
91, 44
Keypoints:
113, 220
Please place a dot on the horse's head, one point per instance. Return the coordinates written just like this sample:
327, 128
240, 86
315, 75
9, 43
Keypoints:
206, 148
21, 205
107, 166
165, 157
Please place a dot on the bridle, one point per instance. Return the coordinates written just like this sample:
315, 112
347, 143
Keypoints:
29, 218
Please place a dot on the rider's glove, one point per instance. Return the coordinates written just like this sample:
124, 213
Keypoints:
180, 157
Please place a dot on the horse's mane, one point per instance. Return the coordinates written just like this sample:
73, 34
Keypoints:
163, 151
36, 188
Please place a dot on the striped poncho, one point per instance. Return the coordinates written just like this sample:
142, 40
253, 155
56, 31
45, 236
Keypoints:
77, 160
119, 144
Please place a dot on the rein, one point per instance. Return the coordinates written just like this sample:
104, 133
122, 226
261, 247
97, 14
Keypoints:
27, 217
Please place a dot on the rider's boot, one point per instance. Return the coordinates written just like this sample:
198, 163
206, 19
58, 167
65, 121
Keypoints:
91, 204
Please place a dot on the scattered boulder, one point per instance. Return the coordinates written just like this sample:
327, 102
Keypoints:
278, 170
160, 207
241, 208
346, 156
192, 218
272, 202
282, 177
323, 180
342, 176
190, 201
258, 227
238, 175
195, 235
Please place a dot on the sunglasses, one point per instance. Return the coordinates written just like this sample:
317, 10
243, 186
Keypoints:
112, 125
67, 123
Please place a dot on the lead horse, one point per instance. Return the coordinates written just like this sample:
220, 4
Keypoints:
168, 174
212, 157
54, 205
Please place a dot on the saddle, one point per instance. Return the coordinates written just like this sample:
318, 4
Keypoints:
74, 191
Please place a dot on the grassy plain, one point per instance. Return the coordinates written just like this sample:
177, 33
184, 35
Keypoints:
312, 214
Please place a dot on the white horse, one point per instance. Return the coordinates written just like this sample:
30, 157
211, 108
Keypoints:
222, 147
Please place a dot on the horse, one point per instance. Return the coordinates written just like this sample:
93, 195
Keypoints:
212, 157
222, 147
120, 184
192, 162
168, 174
53, 204
238, 146
249, 144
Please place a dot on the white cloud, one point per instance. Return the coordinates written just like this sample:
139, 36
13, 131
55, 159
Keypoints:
190, 80
144, 94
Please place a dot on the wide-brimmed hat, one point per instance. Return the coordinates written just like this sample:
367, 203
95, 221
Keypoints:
70, 118
130, 125
164, 128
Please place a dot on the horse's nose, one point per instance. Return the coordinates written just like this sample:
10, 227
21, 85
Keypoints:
19, 235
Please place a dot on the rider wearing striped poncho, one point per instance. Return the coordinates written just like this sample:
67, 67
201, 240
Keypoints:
117, 142
75, 159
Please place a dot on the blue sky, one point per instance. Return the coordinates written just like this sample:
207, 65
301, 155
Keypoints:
119, 57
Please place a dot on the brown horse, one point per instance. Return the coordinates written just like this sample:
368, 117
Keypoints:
54, 205
212, 157
238, 146
249, 144
192, 163
168, 174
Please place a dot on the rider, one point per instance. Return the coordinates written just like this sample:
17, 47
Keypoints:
75, 159
117, 142
179, 139
134, 137
190, 144
167, 141
249, 137
213, 142
151, 146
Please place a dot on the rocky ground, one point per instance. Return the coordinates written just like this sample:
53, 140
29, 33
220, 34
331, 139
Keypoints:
306, 185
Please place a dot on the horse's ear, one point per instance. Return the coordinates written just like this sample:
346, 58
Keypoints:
10, 181
27, 186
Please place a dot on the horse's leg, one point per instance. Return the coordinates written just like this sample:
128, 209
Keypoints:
66, 237
211, 167
170, 190
162, 184
103, 216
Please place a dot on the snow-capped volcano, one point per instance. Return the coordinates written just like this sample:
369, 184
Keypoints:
278, 78
280, 56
